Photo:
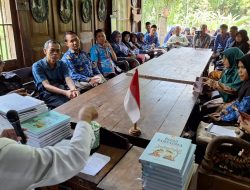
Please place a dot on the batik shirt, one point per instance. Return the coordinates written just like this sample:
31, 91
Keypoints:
232, 113
220, 42
102, 56
80, 65
151, 40
120, 49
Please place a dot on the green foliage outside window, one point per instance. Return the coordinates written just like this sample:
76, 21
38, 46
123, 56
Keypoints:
188, 13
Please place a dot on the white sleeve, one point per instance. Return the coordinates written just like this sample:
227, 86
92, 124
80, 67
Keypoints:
170, 40
36, 167
185, 41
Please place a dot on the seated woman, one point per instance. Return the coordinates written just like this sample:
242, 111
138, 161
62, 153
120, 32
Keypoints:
241, 41
141, 44
103, 54
122, 51
126, 40
229, 82
169, 34
242, 104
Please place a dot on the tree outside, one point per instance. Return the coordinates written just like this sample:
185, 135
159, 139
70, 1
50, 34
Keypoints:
189, 13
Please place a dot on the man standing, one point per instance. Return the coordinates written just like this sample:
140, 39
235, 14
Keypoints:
52, 77
177, 39
83, 71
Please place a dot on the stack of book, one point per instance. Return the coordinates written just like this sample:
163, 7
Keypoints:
47, 129
167, 163
26, 106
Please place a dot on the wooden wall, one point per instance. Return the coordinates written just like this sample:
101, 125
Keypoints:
34, 34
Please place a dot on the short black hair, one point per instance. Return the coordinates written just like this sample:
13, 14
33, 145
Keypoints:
124, 34
234, 28
154, 26
148, 23
223, 26
98, 31
68, 33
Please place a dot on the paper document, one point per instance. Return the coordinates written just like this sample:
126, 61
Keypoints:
222, 131
95, 163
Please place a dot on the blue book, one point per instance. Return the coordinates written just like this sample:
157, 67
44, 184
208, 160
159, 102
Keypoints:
44, 123
169, 152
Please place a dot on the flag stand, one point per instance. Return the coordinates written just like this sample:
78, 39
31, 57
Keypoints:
135, 131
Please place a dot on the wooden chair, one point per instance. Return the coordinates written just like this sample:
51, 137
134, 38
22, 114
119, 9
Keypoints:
223, 167
27, 80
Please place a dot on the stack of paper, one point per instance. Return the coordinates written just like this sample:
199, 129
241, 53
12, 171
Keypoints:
95, 163
47, 128
167, 163
26, 106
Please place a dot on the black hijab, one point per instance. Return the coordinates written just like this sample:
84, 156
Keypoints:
123, 39
245, 88
243, 45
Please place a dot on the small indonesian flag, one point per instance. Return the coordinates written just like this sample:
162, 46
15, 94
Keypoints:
132, 99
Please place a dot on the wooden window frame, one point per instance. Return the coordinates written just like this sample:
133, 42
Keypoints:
18, 62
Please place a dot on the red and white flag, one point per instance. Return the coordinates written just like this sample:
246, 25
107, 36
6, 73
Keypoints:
132, 99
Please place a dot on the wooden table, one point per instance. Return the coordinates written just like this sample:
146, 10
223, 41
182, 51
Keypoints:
84, 181
165, 106
180, 65
126, 174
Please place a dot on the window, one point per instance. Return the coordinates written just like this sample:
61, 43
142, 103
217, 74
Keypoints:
7, 43
120, 20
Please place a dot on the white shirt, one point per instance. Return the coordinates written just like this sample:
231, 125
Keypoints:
23, 167
181, 39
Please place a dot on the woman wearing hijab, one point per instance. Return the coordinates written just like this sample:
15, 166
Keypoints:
229, 83
122, 51
242, 104
169, 34
139, 54
141, 43
241, 41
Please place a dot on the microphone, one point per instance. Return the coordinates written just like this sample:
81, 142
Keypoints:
13, 118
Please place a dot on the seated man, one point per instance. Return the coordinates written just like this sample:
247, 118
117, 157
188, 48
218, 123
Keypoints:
52, 77
83, 71
103, 54
232, 32
220, 41
148, 27
151, 38
177, 39
202, 39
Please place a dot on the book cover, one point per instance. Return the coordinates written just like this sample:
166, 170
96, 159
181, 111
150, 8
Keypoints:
44, 122
168, 151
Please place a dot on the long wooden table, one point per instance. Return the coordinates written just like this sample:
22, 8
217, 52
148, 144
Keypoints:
165, 106
180, 65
